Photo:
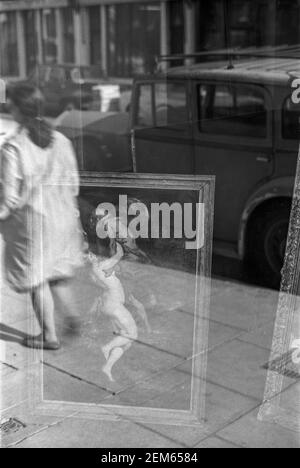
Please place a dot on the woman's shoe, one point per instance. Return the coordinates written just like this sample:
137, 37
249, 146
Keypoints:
38, 342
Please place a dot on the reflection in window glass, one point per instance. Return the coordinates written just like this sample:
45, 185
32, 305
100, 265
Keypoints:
31, 40
49, 36
232, 109
68, 32
290, 121
133, 38
176, 27
163, 105
145, 115
8, 44
57, 75
95, 35
170, 105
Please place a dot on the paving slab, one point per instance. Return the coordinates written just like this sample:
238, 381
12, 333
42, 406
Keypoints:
14, 309
251, 433
221, 405
219, 334
13, 389
73, 432
243, 307
261, 337
239, 366
76, 433
65, 388
217, 443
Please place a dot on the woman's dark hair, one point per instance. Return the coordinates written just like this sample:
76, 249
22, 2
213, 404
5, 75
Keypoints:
30, 102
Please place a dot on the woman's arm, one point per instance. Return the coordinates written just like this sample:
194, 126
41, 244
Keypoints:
11, 176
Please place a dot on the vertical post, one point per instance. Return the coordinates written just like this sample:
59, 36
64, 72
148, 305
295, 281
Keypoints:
103, 45
190, 30
164, 32
227, 29
59, 35
77, 37
82, 36
85, 36
271, 24
21, 42
39, 36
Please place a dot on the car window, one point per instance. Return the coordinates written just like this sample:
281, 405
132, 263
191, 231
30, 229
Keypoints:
232, 109
163, 105
290, 121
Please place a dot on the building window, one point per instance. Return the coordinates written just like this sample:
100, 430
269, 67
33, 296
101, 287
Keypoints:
211, 26
95, 35
8, 45
68, 35
31, 40
232, 109
133, 38
49, 36
176, 25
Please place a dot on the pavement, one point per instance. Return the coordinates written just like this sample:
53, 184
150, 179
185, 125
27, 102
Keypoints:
155, 373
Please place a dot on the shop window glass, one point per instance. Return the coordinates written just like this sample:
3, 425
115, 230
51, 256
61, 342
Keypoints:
8, 44
232, 109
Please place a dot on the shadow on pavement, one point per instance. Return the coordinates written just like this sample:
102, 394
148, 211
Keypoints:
11, 334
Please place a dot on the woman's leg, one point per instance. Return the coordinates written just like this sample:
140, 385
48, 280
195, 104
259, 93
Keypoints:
43, 306
64, 299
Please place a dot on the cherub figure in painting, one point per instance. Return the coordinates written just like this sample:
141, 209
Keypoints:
119, 234
113, 306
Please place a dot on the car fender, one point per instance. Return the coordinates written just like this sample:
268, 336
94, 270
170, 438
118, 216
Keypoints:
282, 187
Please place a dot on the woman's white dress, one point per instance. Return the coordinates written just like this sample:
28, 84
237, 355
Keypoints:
43, 240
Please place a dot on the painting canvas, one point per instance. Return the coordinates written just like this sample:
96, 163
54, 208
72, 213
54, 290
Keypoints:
142, 341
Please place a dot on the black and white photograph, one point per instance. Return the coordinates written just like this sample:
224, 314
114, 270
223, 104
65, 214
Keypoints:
149, 226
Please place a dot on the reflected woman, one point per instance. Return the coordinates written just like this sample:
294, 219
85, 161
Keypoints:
39, 213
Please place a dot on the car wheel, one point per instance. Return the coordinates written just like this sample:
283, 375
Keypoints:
267, 238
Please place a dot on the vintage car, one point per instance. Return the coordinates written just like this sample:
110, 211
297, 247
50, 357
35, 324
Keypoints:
235, 122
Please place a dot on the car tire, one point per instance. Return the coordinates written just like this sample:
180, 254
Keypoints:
266, 242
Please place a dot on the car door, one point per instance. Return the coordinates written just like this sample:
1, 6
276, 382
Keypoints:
55, 88
162, 129
233, 141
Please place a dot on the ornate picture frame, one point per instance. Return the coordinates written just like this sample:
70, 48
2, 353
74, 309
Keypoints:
282, 384
189, 366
